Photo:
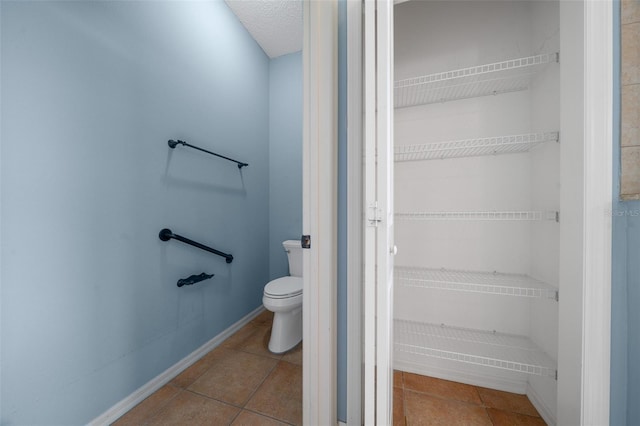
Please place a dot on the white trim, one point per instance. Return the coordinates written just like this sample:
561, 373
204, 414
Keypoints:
384, 197
598, 143
143, 392
493, 381
354, 213
545, 412
369, 95
319, 212
586, 197
378, 242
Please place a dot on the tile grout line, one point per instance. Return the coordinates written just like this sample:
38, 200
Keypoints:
235, 417
241, 407
147, 419
482, 404
261, 383
442, 398
200, 375
268, 416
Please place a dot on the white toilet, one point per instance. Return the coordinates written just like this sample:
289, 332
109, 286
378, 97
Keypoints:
283, 297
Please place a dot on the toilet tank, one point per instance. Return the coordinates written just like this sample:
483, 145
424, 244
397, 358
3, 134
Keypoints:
294, 254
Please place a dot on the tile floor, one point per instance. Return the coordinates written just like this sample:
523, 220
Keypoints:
421, 400
238, 383
242, 383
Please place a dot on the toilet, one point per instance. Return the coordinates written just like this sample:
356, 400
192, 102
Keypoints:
283, 297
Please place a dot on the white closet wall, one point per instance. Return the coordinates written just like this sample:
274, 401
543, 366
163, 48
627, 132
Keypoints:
477, 194
545, 161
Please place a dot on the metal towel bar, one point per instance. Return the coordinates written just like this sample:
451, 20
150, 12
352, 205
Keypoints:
166, 235
173, 144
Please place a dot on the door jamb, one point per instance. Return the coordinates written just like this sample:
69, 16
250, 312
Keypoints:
319, 199
354, 214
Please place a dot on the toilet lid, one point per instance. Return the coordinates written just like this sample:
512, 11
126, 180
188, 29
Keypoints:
284, 287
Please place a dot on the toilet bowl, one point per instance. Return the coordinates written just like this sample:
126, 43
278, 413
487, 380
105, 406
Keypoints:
283, 297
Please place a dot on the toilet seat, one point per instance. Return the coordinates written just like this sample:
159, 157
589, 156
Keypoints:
283, 288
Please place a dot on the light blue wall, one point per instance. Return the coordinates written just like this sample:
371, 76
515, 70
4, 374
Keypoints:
625, 315
285, 158
633, 302
91, 91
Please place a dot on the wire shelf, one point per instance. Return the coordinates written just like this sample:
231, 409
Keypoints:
484, 216
473, 147
475, 282
489, 79
487, 348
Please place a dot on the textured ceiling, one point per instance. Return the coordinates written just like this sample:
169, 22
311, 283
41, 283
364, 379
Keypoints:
275, 24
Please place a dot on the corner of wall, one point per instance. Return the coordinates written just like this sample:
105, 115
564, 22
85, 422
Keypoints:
285, 157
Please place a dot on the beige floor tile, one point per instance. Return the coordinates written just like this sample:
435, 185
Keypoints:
294, 355
503, 418
191, 374
190, 409
147, 408
239, 337
188, 376
441, 388
265, 318
258, 343
253, 338
506, 401
398, 407
248, 418
397, 379
234, 377
280, 396
423, 409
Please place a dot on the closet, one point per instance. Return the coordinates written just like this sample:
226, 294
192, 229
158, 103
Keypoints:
477, 194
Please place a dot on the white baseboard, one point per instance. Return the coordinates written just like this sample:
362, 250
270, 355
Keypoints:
122, 407
476, 379
542, 408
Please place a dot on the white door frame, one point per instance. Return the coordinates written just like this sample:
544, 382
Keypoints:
378, 205
385, 245
585, 307
355, 203
320, 200
599, 199
584, 349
